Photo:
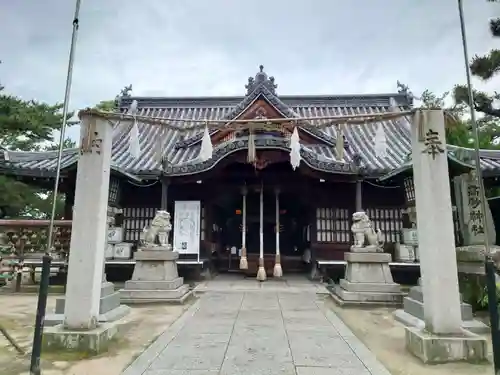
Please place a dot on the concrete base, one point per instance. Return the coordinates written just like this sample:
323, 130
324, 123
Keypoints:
155, 279
94, 342
109, 307
435, 349
412, 313
368, 281
474, 326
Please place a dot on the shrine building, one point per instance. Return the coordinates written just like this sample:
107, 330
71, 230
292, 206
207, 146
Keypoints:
299, 211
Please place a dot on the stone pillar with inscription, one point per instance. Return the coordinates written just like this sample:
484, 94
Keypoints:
470, 214
443, 338
81, 329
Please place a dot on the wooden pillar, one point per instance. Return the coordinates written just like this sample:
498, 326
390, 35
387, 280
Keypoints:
243, 258
359, 195
261, 273
278, 271
165, 182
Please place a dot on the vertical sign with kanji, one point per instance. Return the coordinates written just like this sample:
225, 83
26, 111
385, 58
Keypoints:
476, 223
473, 221
433, 144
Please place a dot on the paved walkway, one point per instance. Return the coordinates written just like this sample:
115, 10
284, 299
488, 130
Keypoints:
257, 333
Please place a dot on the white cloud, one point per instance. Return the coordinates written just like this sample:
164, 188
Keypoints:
192, 47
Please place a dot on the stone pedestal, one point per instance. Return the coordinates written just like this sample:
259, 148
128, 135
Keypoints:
155, 278
443, 338
110, 308
368, 280
434, 349
412, 314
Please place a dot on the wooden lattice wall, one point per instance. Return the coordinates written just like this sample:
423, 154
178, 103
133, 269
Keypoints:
388, 220
333, 225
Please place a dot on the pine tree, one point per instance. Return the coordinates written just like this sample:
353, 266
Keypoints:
484, 67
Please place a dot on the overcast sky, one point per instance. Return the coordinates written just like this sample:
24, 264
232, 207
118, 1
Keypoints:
200, 47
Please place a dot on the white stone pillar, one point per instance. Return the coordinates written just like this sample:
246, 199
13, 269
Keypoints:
243, 258
88, 234
443, 339
278, 271
435, 224
261, 273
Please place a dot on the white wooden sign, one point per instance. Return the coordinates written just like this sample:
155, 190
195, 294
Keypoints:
187, 217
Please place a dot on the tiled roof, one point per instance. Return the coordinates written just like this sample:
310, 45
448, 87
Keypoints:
181, 151
359, 137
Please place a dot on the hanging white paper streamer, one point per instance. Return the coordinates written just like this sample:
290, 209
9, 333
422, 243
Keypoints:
252, 151
207, 148
340, 142
134, 146
295, 157
380, 142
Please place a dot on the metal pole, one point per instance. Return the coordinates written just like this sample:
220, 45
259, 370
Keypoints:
64, 124
489, 264
36, 350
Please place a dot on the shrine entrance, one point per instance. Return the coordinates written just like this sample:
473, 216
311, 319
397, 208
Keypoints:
278, 205
292, 223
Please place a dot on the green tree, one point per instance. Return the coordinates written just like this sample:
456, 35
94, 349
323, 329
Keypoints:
458, 129
484, 67
33, 126
106, 105
27, 126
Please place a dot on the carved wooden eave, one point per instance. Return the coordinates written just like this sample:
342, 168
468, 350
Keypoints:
262, 143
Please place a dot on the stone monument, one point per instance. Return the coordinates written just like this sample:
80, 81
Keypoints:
155, 277
110, 308
368, 278
470, 213
443, 338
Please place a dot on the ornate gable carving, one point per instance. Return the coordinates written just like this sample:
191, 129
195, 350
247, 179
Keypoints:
260, 109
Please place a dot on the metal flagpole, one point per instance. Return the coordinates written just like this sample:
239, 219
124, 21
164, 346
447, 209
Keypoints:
489, 264
64, 124
44, 283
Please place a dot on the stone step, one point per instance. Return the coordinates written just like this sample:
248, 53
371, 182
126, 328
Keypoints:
416, 308
416, 294
110, 300
176, 296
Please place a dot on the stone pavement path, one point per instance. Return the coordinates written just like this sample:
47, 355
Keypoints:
257, 333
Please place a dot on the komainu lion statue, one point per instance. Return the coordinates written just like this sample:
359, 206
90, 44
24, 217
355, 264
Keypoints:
157, 233
364, 234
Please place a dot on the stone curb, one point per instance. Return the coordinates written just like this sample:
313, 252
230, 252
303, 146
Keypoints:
374, 366
146, 358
